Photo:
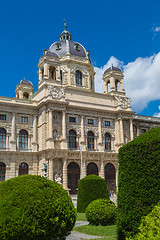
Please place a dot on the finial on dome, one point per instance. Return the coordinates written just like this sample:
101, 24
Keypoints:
65, 25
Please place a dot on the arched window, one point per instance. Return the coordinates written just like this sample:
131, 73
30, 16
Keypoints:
73, 172
2, 171
23, 168
110, 176
25, 95
117, 83
90, 141
52, 72
72, 139
2, 138
61, 76
78, 78
108, 87
107, 142
92, 169
23, 139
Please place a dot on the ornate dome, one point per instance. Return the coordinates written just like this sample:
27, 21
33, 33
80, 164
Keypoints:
65, 45
24, 81
112, 68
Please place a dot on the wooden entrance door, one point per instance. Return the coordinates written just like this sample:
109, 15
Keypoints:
110, 177
73, 177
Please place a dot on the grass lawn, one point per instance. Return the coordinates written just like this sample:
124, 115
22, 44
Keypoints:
107, 232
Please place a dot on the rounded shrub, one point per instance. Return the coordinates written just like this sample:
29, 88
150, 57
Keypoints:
150, 226
33, 208
101, 211
90, 188
138, 181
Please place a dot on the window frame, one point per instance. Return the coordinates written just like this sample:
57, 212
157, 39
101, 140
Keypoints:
23, 140
78, 78
90, 141
72, 118
3, 116
3, 134
107, 142
72, 139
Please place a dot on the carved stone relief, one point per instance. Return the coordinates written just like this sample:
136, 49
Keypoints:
56, 92
123, 102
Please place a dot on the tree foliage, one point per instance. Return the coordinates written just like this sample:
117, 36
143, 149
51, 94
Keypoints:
32, 208
139, 181
90, 188
101, 212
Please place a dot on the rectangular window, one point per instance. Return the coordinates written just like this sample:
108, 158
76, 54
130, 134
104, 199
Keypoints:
72, 119
143, 130
3, 117
107, 123
24, 119
90, 121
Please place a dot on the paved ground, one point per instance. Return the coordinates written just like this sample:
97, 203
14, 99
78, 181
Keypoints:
80, 236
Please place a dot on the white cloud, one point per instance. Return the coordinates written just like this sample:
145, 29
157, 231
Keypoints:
156, 29
141, 81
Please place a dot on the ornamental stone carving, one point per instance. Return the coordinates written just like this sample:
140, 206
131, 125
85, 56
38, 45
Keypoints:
58, 178
55, 135
123, 102
56, 92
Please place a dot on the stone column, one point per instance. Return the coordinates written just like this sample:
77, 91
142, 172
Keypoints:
63, 125
138, 131
121, 130
112, 84
7, 141
102, 170
29, 142
131, 129
100, 142
84, 168
112, 145
34, 143
50, 125
82, 134
50, 170
13, 127
40, 74
64, 139
65, 174
50, 140
13, 133
46, 71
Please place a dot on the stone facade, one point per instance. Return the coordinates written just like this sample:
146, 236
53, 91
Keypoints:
65, 115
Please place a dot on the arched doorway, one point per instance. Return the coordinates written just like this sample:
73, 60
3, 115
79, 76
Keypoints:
110, 176
73, 177
92, 169
23, 168
2, 171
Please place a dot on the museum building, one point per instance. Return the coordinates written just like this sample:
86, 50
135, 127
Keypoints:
66, 115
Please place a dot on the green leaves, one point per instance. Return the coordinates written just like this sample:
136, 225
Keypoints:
33, 208
139, 181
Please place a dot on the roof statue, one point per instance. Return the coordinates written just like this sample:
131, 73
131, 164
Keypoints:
65, 24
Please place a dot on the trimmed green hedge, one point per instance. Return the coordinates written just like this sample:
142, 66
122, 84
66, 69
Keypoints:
139, 181
90, 188
33, 208
150, 226
101, 211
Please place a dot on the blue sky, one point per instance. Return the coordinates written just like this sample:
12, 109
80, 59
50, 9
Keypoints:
124, 33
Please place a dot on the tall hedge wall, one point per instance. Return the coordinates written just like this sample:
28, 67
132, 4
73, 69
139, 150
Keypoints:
90, 188
139, 181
